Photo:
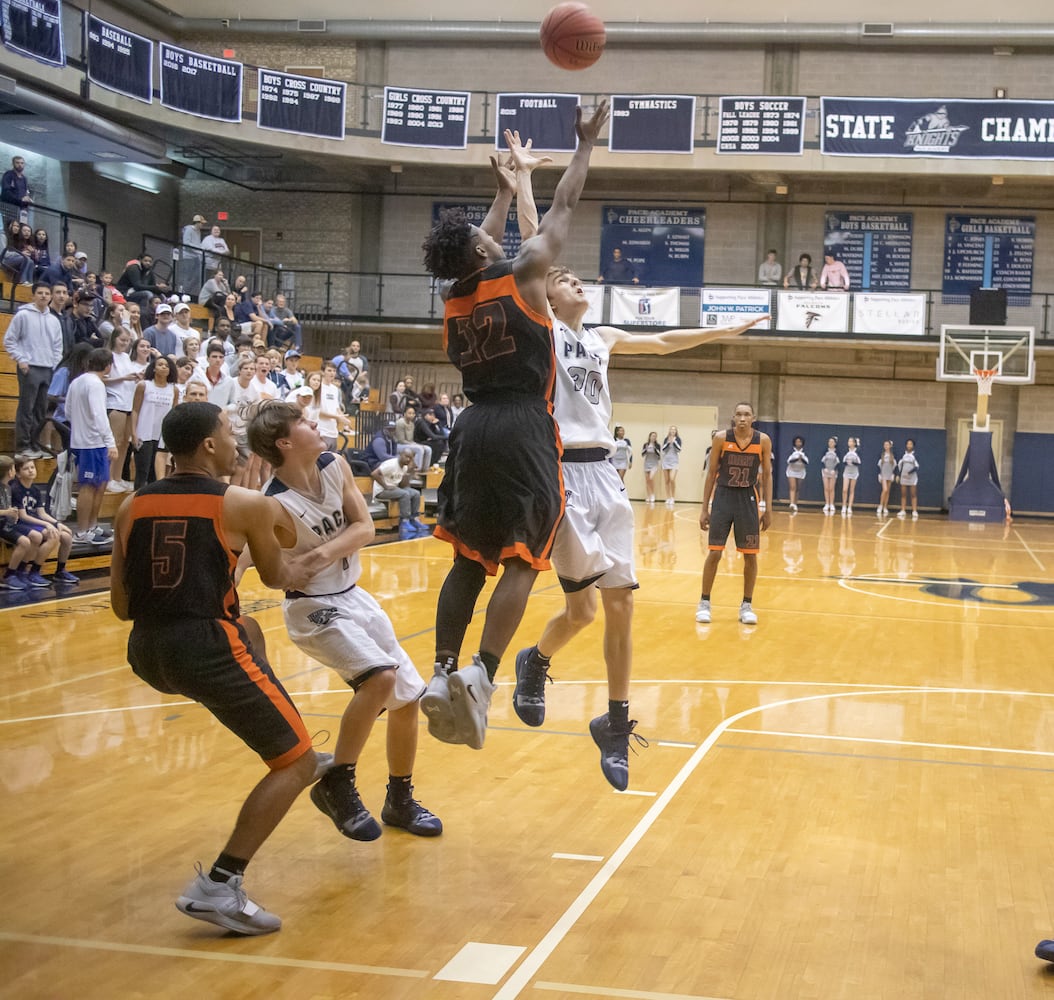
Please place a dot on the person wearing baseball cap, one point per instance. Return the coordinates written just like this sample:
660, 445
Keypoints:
161, 335
291, 378
182, 328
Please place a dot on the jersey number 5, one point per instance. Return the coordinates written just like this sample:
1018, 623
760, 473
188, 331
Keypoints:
484, 334
168, 553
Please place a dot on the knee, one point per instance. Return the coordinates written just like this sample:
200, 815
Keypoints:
378, 687
580, 616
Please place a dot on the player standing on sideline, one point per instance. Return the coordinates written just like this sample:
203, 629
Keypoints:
502, 496
338, 623
594, 543
175, 550
740, 462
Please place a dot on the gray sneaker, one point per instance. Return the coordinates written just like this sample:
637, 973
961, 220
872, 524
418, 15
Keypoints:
702, 613
227, 905
747, 615
436, 705
614, 749
528, 697
470, 693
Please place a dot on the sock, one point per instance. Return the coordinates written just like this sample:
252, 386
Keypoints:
705, 597
445, 663
226, 866
490, 661
14, 570
618, 714
59, 566
399, 788
34, 567
747, 600
341, 772
536, 657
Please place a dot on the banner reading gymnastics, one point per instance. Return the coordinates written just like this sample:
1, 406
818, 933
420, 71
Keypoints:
119, 60
201, 85
651, 124
305, 105
33, 28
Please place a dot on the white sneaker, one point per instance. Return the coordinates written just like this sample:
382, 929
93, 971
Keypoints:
902, 514
437, 707
702, 613
843, 510
115, 486
848, 511
651, 501
129, 486
746, 614
914, 515
84, 537
794, 508
669, 501
225, 904
470, 693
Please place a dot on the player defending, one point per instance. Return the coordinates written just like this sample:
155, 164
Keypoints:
594, 543
325, 520
502, 496
174, 557
740, 463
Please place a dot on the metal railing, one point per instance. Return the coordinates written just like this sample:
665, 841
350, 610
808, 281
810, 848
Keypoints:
63, 227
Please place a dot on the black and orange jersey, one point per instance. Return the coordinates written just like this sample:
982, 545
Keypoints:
495, 339
739, 467
178, 564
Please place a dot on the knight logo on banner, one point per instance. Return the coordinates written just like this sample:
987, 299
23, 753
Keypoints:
815, 312
933, 133
645, 306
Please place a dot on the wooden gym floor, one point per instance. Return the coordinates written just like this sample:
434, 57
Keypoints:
848, 801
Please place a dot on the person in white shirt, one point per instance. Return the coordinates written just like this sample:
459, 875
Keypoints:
92, 443
182, 328
331, 412
215, 243
261, 387
391, 481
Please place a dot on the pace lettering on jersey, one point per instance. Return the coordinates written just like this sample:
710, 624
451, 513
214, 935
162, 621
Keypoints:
578, 351
330, 525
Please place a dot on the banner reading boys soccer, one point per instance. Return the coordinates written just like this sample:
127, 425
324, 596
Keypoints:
645, 306
33, 28
119, 60
734, 306
201, 85
664, 246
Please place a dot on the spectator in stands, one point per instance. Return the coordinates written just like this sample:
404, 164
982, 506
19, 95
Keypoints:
313, 407
331, 415
185, 369
291, 377
360, 392
304, 398
134, 320
223, 331
196, 392
427, 398
109, 289
243, 348
112, 318
138, 282
427, 432
60, 309
23, 538
17, 258
82, 264
248, 471
405, 428
191, 235
215, 290
126, 372
288, 319
457, 407
397, 397
619, 271
261, 387
220, 382
351, 361
41, 251
249, 314
770, 271
444, 414
56, 539
240, 287
64, 270
153, 398
801, 277
73, 364
14, 189
833, 277
85, 329
412, 398
392, 482
34, 342
182, 327
162, 335
384, 446
92, 443
214, 244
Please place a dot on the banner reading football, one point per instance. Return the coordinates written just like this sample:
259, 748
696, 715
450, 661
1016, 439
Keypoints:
733, 306
815, 312
645, 306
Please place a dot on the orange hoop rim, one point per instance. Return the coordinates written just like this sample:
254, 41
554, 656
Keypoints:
985, 377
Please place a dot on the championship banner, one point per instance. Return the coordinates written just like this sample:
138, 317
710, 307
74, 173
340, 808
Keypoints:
734, 306
874, 246
815, 312
200, 85
305, 105
988, 251
33, 28
664, 246
119, 60
436, 119
934, 127
896, 315
595, 297
769, 125
476, 213
548, 120
645, 306
651, 124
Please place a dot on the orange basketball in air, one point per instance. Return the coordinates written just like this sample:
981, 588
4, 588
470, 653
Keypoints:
572, 36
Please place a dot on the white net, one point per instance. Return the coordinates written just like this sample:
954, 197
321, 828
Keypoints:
985, 377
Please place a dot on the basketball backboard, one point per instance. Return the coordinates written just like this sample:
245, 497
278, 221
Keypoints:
1007, 350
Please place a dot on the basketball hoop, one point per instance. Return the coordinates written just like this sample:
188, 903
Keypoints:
985, 377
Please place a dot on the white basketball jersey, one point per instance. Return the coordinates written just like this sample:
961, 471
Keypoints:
317, 521
582, 403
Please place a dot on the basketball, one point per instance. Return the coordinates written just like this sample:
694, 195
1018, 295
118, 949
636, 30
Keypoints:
572, 36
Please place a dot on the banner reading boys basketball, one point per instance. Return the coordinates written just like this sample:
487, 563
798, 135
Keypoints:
935, 127
651, 124
200, 85
645, 306
33, 28
874, 246
664, 246
119, 60
436, 119
548, 120
306, 105
989, 251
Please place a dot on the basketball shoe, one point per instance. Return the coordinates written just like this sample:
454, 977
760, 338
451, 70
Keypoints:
408, 814
614, 749
747, 615
470, 693
436, 705
702, 612
528, 698
338, 798
225, 904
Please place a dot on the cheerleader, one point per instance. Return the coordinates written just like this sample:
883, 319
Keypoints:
829, 473
671, 460
850, 474
908, 469
797, 460
652, 453
887, 468
622, 459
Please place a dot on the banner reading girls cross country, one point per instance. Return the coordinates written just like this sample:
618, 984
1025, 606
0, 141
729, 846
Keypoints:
33, 28
664, 246
201, 85
436, 119
119, 59
935, 127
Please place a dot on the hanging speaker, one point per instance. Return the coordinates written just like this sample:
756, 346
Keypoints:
988, 307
